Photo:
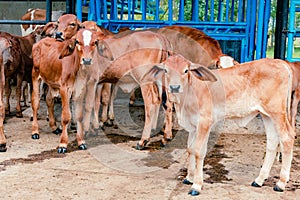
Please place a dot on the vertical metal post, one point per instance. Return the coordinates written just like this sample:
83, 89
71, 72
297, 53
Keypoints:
48, 10
220, 11
114, 10
291, 32
227, 11
267, 14
232, 10
98, 12
195, 10
240, 10
170, 6
206, 11
281, 25
144, 9
157, 10
79, 9
212, 9
104, 5
181, 10
129, 6
251, 26
260, 23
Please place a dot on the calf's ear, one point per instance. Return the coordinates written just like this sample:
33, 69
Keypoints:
155, 73
104, 50
49, 29
68, 48
204, 74
80, 25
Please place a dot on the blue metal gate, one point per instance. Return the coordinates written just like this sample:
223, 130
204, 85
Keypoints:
244, 22
293, 30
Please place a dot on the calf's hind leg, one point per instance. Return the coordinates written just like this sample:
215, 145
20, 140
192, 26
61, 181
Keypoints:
277, 131
51, 116
35, 104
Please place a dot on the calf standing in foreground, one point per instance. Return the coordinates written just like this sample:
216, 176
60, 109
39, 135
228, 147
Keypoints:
132, 55
83, 47
203, 97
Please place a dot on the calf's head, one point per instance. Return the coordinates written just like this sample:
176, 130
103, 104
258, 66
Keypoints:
85, 44
176, 72
47, 30
67, 27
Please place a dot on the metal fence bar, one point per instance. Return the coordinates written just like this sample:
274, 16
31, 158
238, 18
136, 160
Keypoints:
267, 13
195, 10
181, 10
260, 24
227, 11
226, 20
291, 30
212, 6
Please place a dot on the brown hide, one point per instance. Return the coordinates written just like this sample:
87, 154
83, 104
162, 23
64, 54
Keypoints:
133, 52
295, 67
193, 44
67, 26
59, 75
240, 93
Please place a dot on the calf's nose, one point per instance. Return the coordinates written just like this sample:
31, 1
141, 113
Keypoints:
58, 35
174, 88
87, 61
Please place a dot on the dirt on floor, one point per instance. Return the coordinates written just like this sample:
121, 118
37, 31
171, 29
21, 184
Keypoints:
112, 168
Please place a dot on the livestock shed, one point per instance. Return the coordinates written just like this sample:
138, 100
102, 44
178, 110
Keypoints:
128, 158
241, 26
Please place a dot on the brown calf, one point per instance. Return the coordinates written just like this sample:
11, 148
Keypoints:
84, 48
133, 53
203, 97
67, 27
16, 61
36, 15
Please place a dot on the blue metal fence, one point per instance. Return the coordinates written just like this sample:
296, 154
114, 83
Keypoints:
293, 30
245, 21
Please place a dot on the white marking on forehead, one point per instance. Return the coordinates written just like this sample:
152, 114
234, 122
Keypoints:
87, 36
32, 14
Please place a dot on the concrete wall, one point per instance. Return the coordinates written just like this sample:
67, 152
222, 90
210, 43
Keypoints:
14, 10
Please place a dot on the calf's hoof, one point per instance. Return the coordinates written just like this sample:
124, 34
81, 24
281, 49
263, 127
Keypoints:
187, 182
193, 192
62, 150
35, 136
141, 147
19, 115
57, 131
277, 189
82, 147
109, 123
165, 141
254, 184
3, 148
73, 127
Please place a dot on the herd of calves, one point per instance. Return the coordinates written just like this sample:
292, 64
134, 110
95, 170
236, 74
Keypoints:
179, 67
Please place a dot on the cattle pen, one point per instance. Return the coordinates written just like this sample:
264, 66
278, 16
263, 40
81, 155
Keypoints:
112, 167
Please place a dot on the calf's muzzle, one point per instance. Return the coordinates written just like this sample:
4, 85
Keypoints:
174, 88
87, 61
